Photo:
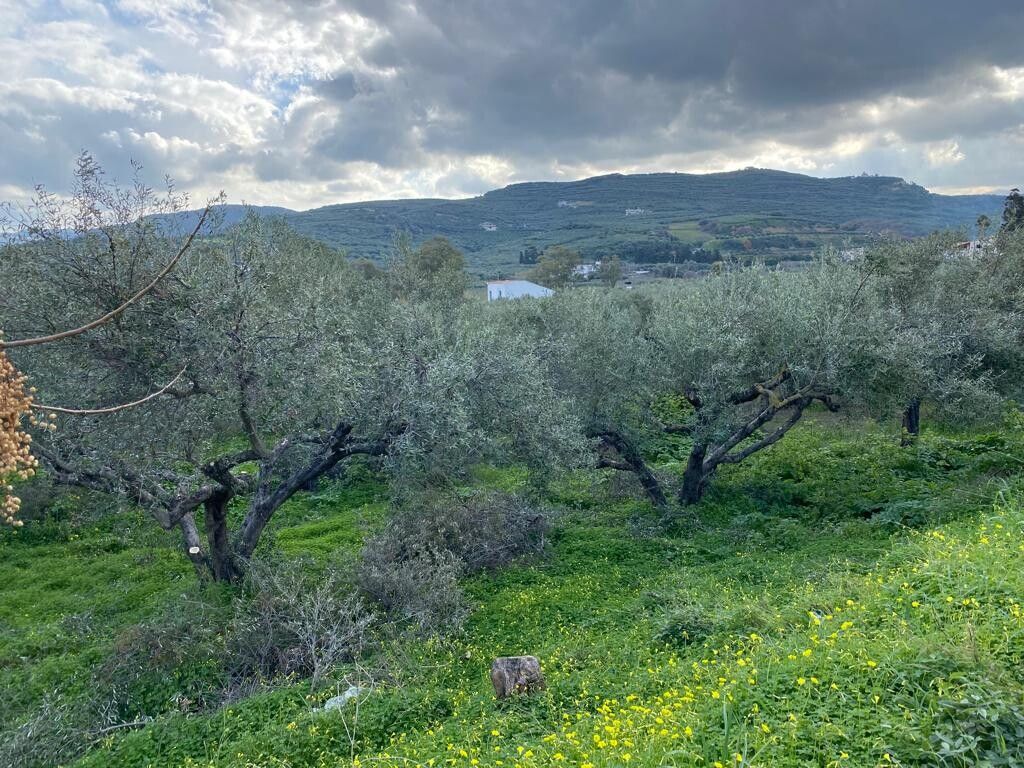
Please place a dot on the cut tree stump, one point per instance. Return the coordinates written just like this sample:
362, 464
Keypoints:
516, 674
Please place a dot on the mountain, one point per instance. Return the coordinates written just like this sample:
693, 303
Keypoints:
655, 217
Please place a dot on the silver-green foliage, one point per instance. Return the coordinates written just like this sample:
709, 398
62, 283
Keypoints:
291, 363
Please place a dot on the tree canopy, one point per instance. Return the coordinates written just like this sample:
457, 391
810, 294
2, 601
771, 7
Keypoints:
266, 362
555, 267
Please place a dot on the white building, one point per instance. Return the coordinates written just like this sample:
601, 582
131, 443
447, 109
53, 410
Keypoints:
585, 270
515, 289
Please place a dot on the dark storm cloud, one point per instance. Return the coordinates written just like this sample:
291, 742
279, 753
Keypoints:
586, 80
299, 102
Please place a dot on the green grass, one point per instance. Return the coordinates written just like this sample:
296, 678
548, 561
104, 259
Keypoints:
836, 601
688, 232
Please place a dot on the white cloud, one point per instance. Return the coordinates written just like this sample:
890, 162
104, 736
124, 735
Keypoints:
302, 104
944, 153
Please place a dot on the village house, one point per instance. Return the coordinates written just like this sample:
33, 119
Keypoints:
515, 289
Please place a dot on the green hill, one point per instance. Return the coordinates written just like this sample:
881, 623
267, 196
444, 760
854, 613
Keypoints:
776, 214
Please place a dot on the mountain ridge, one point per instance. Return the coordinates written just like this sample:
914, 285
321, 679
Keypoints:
657, 216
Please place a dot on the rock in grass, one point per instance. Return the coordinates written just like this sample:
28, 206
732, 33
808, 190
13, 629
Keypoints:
516, 674
337, 702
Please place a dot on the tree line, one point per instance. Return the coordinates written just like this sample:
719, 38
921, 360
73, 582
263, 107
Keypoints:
265, 362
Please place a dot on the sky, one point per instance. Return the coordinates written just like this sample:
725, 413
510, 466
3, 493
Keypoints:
303, 104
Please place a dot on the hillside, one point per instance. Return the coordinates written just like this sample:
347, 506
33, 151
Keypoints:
776, 214
856, 613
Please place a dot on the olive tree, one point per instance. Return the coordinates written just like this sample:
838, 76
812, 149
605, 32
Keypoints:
954, 328
751, 349
600, 357
292, 365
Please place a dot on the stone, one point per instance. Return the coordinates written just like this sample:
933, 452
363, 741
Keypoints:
516, 674
338, 702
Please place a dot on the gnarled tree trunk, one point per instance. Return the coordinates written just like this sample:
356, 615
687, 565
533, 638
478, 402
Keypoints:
631, 461
763, 401
694, 479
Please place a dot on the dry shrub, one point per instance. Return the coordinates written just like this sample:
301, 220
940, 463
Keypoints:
412, 567
296, 620
55, 734
418, 589
484, 530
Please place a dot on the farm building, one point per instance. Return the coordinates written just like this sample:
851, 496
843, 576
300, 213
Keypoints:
515, 289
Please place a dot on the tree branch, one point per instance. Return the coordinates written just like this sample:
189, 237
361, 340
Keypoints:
337, 447
120, 309
113, 408
632, 461
769, 439
762, 388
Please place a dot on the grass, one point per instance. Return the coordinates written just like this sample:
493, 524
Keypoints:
836, 601
688, 232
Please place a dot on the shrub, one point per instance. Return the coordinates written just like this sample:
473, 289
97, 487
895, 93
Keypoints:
294, 620
411, 569
484, 530
420, 589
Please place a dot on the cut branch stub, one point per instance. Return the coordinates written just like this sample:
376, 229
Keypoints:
516, 674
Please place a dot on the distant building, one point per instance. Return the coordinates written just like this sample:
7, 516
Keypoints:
584, 270
515, 289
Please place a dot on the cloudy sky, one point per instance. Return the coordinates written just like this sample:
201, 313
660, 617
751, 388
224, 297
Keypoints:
308, 103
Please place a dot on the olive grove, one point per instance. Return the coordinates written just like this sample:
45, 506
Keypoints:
266, 361
287, 364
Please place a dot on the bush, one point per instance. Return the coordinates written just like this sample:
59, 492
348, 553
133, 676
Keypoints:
411, 569
420, 589
296, 621
484, 530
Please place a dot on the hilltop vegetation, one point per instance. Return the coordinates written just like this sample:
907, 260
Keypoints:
649, 218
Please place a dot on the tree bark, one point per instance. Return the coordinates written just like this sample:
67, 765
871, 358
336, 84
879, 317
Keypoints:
694, 477
911, 422
221, 558
634, 462
193, 546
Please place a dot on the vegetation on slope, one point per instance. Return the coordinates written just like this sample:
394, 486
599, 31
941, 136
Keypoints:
379, 482
864, 610
778, 215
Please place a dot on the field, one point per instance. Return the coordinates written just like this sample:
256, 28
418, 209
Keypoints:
836, 601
